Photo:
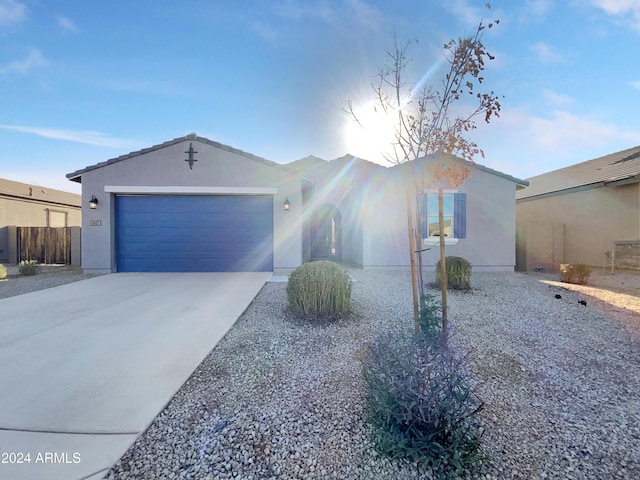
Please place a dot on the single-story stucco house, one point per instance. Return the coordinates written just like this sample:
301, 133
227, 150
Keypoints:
192, 204
26, 205
585, 213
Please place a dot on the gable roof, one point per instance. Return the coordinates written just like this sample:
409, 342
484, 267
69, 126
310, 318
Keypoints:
307, 163
313, 163
77, 175
362, 164
347, 168
35, 193
616, 168
520, 184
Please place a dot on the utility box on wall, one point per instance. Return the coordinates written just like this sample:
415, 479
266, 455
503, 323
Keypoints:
627, 254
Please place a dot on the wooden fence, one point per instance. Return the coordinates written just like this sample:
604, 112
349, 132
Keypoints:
45, 244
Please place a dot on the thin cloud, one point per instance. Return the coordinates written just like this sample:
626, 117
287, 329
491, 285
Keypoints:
565, 131
635, 84
543, 143
164, 88
537, 9
354, 11
11, 12
465, 12
627, 11
264, 30
295, 10
67, 25
87, 137
34, 59
365, 14
617, 7
557, 99
546, 53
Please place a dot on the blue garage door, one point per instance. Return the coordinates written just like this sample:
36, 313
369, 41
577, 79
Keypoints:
163, 233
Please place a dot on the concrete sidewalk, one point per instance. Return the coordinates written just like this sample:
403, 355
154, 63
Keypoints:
86, 367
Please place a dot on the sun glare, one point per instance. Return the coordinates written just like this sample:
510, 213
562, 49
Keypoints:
372, 136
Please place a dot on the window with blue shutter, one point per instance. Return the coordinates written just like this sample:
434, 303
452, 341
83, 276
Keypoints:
454, 213
460, 217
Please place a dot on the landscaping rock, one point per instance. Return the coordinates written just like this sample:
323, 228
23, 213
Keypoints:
282, 398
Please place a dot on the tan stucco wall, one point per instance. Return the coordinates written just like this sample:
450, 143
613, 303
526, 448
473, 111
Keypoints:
591, 220
166, 167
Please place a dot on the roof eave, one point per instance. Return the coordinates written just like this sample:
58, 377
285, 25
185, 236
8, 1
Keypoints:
563, 191
75, 176
618, 182
473, 165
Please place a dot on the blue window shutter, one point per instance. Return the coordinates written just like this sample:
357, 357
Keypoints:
460, 215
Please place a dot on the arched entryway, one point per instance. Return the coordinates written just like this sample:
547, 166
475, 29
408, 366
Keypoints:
326, 233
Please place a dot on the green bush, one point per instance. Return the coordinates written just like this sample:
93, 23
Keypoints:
3, 272
28, 267
458, 273
574, 273
319, 289
430, 318
419, 403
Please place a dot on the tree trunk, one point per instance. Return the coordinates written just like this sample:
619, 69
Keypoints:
412, 258
443, 267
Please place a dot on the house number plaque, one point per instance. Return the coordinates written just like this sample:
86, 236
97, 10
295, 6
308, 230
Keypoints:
95, 223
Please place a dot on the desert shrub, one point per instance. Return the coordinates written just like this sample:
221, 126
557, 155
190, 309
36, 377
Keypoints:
319, 289
430, 318
420, 404
458, 273
3, 272
574, 273
28, 267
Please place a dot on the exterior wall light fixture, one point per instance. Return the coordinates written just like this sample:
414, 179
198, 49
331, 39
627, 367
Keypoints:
93, 203
287, 205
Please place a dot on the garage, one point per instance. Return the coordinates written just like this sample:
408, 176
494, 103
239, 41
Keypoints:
194, 233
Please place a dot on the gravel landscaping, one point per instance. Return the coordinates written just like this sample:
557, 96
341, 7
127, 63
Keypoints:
48, 276
283, 398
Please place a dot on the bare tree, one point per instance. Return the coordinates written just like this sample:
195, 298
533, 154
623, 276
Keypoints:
424, 123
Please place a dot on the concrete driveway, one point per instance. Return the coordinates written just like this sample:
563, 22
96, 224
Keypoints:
86, 367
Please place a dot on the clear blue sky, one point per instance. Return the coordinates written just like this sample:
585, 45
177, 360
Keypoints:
82, 82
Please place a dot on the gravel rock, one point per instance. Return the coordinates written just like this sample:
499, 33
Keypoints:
48, 276
282, 398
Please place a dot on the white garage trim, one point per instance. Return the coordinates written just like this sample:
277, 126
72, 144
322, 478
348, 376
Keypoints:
182, 190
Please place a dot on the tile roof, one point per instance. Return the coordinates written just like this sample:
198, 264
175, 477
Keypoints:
520, 184
25, 191
304, 166
616, 167
77, 175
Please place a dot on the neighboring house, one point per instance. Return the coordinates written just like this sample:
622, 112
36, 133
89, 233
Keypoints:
586, 213
23, 205
192, 204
